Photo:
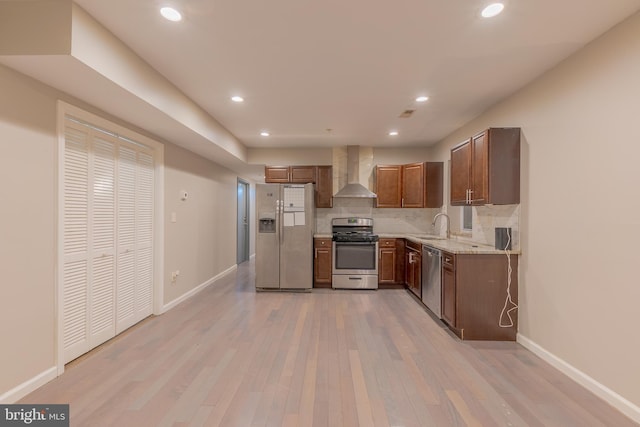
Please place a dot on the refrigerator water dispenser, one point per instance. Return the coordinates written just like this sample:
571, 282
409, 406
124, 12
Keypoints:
267, 223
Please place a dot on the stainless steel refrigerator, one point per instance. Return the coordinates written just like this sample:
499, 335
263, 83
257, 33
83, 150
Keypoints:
284, 239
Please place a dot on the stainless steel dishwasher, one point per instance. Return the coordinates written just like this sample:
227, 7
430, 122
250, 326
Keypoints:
431, 279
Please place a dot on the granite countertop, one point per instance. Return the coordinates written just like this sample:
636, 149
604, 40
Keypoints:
450, 245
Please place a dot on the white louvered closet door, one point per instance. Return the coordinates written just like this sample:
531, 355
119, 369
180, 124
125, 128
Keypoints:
126, 238
89, 241
103, 238
135, 237
144, 236
107, 260
75, 264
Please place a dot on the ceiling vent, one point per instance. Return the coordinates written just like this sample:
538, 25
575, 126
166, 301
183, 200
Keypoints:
406, 114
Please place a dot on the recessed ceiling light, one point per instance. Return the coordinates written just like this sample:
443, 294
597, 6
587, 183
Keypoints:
422, 99
393, 133
264, 133
492, 10
237, 98
171, 14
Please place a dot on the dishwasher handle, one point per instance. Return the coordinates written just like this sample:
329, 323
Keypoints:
430, 252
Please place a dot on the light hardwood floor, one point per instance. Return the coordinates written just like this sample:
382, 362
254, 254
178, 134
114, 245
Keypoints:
234, 357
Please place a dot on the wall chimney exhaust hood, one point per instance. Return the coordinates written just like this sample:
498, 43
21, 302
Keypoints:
354, 189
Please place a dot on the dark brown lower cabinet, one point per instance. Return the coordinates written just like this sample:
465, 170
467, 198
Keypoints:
391, 263
413, 267
448, 288
387, 261
474, 290
322, 263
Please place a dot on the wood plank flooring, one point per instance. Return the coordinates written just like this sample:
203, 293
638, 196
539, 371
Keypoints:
234, 357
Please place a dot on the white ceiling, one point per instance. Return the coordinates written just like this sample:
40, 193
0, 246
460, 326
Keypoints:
353, 66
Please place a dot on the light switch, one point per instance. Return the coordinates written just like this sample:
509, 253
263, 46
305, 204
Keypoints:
174, 217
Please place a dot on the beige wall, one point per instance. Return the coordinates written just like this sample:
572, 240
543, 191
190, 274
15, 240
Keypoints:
202, 241
27, 245
289, 156
324, 156
400, 156
579, 285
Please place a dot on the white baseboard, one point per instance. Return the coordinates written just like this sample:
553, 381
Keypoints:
17, 393
197, 289
614, 399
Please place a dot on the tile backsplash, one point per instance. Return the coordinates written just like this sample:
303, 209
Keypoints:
485, 219
384, 220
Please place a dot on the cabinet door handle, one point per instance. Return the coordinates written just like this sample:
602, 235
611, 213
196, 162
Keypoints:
470, 196
402, 202
315, 253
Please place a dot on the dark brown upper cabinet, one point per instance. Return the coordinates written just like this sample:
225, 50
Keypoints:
415, 185
324, 187
388, 186
277, 174
485, 169
290, 174
321, 176
303, 174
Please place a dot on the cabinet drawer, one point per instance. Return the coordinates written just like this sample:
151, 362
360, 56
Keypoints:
448, 260
413, 245
321, 243
387, 243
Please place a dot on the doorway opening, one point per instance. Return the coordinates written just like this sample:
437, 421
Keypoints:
243, 222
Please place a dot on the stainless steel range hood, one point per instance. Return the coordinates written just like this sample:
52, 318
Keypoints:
354, 189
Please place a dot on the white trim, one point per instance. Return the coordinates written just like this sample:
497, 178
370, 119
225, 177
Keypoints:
158, 236
198, 289
28, 386
58, 279
614, 399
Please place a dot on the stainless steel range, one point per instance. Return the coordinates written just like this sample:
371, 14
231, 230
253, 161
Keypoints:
355, 254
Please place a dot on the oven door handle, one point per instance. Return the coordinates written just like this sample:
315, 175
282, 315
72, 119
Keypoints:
356, 243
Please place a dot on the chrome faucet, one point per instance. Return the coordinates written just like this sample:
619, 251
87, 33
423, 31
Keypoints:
433, 224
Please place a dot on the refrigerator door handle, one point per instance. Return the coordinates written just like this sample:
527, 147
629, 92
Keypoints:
280, 221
